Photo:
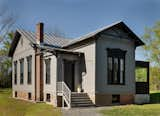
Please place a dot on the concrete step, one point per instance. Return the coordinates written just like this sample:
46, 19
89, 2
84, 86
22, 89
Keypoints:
81, 100
82, 105
74, 100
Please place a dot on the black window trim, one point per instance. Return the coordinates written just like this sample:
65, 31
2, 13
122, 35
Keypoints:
21, 82
120, 54
29, 58
15, 72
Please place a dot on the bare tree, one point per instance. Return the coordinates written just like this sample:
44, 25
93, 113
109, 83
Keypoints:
6, 21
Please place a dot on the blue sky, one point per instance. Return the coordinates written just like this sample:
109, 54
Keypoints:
78, 17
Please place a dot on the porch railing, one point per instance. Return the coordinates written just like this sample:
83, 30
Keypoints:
142, 88
65, 91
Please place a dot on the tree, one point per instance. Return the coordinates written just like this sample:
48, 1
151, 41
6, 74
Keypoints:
154, 78
152, 41
151, 38
5, 62
6, 22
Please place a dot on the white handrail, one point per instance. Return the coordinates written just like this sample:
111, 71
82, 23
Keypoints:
63, 88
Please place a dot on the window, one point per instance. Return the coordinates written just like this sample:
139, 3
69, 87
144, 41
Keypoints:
21, 71
29, 96
47, 62
116, 66
48, 97
15, 94
15, 72
29, 69
115, 98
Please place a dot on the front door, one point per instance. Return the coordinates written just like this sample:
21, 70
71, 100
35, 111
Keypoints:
69, 72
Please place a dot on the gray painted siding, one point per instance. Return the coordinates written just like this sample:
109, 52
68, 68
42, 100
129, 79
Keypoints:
51, 88
88, 79
22, 51
101, 65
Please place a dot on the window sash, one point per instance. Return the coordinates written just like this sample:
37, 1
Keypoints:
15, 72
29, 64
116, 66
48, 76
21, 71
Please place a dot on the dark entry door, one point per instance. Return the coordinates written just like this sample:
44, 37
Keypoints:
69, 74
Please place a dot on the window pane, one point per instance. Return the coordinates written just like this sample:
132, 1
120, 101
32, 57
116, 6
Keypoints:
115, 79
110, 63
29, 62
110, 69
122, 64
15, 72
121, 70
47, 71
21, 70
121, 76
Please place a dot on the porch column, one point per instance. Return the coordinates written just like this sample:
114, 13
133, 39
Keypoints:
77, 76
60, 68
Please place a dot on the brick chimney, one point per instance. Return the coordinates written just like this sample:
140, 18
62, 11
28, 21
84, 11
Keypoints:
39, 32
39, 64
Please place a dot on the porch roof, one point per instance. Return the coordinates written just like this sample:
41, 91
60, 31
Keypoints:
54, 49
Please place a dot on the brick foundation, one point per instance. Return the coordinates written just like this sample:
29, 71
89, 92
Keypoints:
106, 99
103, 99
22, 95
127, 99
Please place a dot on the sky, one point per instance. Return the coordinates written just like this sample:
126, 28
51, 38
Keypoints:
78, 17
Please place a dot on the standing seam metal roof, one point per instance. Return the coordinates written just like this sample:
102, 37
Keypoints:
49, 39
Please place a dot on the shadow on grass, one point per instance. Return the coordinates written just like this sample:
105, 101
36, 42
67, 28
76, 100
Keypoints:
155, 97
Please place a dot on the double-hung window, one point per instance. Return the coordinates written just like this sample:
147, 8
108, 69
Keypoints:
21, 71
116, 66
29, 71
15, 72
48, 77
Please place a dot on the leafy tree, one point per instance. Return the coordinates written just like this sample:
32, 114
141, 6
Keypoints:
5, 62
154, 78
151, 38
152, 41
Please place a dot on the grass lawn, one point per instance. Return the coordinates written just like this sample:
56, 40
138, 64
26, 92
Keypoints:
133, 110
136, 110
12, 107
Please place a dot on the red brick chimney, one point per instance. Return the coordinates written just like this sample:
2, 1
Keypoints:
39, 32
39, 64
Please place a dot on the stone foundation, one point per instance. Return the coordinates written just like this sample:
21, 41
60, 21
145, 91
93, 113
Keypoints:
142, 98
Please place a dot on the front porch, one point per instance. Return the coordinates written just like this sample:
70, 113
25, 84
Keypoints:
69, 81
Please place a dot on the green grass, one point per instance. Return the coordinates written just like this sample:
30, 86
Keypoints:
136, 110
133, 110
13, 107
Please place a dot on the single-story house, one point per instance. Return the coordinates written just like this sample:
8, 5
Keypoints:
97, 69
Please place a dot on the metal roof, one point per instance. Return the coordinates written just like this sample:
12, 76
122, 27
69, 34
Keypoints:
118, 23
59, 42
49, 38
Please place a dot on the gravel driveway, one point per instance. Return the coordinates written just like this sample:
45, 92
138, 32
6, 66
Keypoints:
80, 112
